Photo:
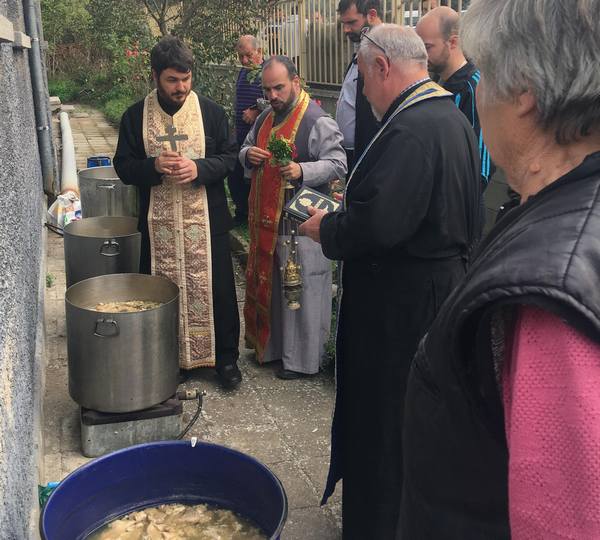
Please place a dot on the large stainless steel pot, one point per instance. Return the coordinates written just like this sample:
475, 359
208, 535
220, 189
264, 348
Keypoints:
122, 362
103, 193
101, 245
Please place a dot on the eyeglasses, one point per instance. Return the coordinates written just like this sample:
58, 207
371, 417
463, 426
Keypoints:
365, 33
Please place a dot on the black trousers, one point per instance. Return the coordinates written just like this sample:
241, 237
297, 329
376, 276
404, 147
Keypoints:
239, 187
225, 308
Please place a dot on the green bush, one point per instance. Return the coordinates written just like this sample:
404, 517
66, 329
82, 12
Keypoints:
66, 89
114, 108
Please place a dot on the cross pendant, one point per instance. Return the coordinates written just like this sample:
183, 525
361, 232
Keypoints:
171, 138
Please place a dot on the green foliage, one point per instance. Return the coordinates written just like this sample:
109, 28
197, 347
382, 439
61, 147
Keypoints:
217, 83
114, 108
66, 89
99, 51
49, 280
102, 46
282, 150
65, 20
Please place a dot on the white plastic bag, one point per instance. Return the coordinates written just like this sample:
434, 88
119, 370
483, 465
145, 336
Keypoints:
66, 208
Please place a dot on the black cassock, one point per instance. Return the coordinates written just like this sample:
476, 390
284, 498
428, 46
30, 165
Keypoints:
135, 168
412, 217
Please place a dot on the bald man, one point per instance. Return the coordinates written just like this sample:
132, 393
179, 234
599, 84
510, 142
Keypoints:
439, 31
248, 94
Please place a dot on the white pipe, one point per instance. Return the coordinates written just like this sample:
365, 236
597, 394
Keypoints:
69, 180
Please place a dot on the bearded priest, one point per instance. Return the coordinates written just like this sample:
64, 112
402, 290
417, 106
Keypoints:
175, 146
297, 338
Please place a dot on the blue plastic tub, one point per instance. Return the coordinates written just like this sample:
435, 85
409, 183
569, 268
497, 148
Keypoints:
98, 161
159, 473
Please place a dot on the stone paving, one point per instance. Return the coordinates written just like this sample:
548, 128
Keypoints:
285, 424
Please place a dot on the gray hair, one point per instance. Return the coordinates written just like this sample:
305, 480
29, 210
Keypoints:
252, 39
550, 47
401, 44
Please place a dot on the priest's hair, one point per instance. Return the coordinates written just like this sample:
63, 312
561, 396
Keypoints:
550, 47
401, 45
281, 59
171, 52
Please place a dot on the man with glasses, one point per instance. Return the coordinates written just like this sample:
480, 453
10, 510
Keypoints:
410, 220
353, 113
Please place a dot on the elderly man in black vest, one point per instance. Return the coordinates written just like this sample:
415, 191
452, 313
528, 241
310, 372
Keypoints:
501, 428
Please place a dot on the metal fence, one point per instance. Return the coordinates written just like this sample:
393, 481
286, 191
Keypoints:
309, 32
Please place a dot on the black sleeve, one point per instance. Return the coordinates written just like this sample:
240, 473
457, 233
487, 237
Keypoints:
387, 207
221, 150
130, 161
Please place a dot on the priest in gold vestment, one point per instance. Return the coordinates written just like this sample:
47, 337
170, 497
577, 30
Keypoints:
175, 146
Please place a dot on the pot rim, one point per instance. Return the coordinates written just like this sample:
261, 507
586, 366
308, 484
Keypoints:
77, 224
175, 298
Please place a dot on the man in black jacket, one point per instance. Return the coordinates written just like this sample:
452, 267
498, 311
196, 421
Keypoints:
176, 148
353, 112
411, 218
439, 31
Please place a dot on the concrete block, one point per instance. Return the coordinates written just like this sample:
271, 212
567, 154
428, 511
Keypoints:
7, 33
102, 439
21, 41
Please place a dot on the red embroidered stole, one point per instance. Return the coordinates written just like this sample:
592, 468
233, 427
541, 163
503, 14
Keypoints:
265, 207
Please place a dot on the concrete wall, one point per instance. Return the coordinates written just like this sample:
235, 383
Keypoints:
21, 290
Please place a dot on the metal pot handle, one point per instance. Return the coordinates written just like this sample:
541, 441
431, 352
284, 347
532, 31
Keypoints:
106, 186
111, 328
110, 248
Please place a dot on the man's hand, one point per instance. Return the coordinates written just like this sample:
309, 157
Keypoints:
166, 161
311, 227
292, 171
183, 172
256, 156
250, 115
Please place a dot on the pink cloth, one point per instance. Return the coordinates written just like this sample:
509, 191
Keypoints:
551, 391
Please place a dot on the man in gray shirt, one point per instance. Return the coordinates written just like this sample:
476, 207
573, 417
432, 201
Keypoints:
276, 332
353, 112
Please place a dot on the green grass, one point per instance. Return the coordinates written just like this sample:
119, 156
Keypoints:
66, 89
114, 108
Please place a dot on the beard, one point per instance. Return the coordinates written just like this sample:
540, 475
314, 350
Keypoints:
439, 65
279, 105
354, 37
174, 99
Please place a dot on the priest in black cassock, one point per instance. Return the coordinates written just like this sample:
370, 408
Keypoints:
175, 146
409, 223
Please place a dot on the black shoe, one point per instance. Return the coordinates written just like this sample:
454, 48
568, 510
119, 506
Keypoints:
289, 375
230, 376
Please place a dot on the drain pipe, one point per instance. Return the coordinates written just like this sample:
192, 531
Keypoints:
68, 174
40, 99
